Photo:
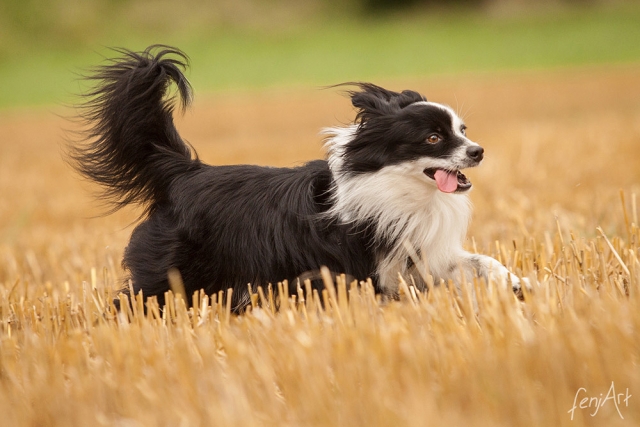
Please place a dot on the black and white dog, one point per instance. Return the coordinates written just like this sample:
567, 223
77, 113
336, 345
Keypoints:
392, 185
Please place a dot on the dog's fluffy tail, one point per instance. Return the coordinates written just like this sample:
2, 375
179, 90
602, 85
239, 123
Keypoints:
134, 150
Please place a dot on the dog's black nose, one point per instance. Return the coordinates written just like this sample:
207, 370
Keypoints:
476, 153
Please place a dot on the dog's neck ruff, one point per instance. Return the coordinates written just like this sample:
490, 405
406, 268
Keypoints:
402, 207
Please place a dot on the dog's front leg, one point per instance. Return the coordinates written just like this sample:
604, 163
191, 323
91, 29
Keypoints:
474, 265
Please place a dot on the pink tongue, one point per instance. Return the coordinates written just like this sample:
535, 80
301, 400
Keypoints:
447, 181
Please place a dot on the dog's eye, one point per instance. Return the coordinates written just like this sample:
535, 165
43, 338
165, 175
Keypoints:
463, 129
434, 138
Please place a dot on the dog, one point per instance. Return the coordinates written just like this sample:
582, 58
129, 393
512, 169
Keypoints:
390, 190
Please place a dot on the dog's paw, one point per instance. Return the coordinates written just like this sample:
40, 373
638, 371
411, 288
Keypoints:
517, 284
492, 270
500, 274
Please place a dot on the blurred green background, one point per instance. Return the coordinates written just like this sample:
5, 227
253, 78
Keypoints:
247, 44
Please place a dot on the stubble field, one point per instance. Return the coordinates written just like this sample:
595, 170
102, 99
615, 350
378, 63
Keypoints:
555, 200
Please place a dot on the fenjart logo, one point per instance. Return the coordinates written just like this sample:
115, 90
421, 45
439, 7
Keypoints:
582, 400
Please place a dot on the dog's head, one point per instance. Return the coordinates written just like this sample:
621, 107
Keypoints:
403, 129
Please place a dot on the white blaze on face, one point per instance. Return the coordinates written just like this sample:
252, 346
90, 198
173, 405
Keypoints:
446, 180
456, 121
458, 125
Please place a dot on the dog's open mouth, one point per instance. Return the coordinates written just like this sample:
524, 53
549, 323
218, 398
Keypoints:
449, 181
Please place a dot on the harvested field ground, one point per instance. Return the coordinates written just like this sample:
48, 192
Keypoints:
560, 147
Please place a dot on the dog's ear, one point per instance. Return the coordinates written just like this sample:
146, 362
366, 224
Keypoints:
408, 97
374, 101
